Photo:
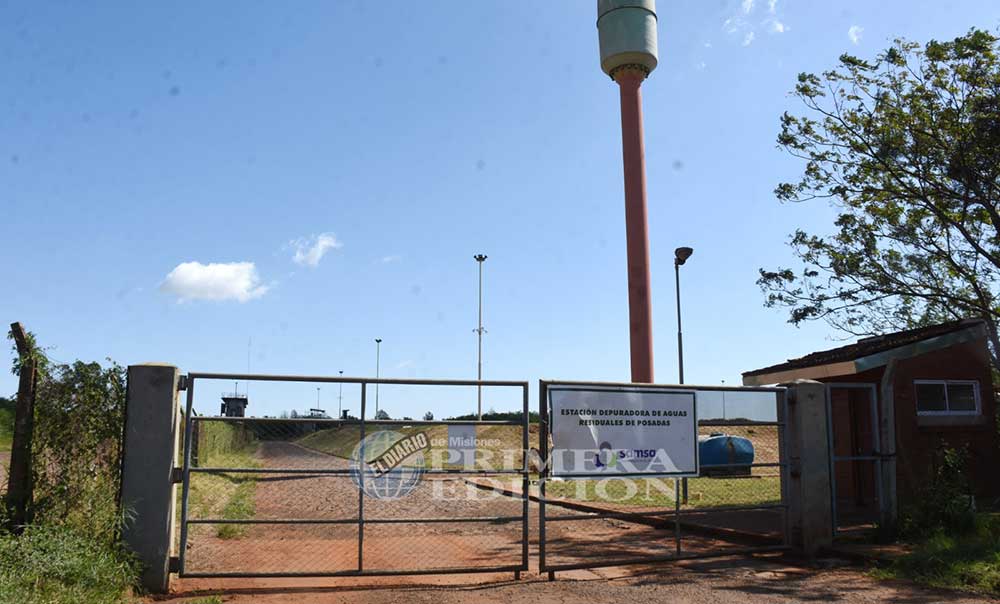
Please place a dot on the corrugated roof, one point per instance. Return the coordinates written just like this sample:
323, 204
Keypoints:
868, 346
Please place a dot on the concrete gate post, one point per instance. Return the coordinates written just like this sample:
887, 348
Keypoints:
150, 451
810, 504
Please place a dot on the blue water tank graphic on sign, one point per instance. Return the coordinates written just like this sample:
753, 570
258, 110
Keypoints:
732, 455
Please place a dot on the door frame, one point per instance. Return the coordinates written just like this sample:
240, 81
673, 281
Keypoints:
876, 454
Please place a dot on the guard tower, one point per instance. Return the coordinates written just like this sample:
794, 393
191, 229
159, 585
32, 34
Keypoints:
234, 404
627, 32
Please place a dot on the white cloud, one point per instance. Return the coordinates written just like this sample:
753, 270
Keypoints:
310, 250
391, 258
772, 6
855, 33
749, 38
777, 27
214, 281
747, 6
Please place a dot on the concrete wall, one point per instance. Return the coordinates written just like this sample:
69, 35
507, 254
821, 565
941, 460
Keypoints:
148, 493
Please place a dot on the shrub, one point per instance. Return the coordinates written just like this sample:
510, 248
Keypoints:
946, 503
60, 565
970, 561
79, 417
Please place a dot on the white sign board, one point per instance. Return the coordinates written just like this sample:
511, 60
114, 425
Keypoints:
638, 431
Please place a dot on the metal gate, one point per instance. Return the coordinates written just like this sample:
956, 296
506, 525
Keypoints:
855, 456
319, 496
728, 508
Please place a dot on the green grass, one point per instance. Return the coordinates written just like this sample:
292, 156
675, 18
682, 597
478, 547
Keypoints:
6, 423
240, 506
335, 441
206, 600
55, 565
229, 496
652, 492
968, 562
500, 445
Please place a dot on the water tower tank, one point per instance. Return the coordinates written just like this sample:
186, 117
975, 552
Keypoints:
627, 31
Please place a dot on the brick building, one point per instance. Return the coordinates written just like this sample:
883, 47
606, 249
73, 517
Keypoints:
893, 402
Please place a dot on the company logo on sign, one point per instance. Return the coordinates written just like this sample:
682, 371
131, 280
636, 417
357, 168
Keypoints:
607, 457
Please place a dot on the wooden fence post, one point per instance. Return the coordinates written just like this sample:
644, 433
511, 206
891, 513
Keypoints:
19, 487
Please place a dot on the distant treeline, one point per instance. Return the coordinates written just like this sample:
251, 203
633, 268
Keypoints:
499, 416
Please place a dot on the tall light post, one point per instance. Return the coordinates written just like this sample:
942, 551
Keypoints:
340, 398
681, 256
627, 32
378, 354
317, 397
480, 259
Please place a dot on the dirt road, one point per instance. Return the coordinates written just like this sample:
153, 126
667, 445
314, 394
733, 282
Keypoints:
730, 580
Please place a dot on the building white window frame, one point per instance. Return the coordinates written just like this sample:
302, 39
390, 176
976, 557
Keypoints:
948, 410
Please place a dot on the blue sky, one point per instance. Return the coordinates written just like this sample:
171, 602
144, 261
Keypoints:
341, 162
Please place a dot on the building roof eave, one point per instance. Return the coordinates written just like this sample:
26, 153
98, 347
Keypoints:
868, 362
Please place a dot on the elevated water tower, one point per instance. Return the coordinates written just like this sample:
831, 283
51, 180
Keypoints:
627, 31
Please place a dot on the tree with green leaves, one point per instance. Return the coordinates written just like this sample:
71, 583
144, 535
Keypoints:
907, 148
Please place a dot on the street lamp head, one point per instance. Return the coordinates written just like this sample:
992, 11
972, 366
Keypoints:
378, 340
681, 255
480, 257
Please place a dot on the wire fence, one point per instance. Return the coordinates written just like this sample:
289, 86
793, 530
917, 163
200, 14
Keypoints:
73, 447
320, 496
736, 502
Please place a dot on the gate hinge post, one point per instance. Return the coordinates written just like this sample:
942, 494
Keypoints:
176, 475
182, 382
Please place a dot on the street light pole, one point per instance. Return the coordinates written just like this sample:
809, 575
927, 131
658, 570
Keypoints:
681, 255
480, 259
340, 398
378, 354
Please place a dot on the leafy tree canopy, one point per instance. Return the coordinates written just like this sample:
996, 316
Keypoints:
907, 148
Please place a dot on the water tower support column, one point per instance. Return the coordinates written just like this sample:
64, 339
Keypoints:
630, 80
627, 34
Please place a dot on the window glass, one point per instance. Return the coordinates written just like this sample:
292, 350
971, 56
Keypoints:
961, 397
930, 397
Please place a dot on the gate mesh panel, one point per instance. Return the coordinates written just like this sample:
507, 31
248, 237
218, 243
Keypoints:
734, 504
275, 497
